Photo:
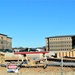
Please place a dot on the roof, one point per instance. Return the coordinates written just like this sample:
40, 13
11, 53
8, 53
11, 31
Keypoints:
3, 34
61, 36
9, 37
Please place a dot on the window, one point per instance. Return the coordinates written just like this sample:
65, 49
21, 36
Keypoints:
1, 42
1, 37
2, 47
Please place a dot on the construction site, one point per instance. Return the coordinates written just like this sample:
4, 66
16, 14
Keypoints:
58, 58
18, 63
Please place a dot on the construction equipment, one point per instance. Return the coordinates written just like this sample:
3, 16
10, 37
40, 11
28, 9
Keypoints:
34, 62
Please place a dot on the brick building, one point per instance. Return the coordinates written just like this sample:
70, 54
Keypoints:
5, 42
60, 44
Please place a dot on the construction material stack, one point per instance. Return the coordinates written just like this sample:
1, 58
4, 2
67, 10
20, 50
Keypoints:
2, 58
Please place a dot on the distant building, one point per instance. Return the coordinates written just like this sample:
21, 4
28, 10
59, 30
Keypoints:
5, 42
38, 49
61, 44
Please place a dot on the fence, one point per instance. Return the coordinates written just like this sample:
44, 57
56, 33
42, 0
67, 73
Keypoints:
54, 68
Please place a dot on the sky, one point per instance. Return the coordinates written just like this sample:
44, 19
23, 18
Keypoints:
29, 22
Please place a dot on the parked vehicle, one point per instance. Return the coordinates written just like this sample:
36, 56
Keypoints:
28, 50
6, 50
12, 67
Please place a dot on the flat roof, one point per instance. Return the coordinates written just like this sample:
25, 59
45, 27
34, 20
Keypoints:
61, 36
3, 34
9, 37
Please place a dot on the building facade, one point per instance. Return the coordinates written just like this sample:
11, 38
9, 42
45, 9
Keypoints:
5, 42
60, 44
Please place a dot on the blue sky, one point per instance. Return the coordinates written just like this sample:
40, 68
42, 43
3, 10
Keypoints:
29, 22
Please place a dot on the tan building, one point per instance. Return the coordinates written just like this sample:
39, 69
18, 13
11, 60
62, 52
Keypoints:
60, 44
5, 42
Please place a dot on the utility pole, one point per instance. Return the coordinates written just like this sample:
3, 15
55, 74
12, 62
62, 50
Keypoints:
61, 65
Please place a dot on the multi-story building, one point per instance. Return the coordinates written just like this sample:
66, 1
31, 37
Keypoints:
61, 44
5, 42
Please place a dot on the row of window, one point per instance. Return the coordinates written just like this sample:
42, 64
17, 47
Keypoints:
59, 42
60, 38
58, 49
5, 43
61, 46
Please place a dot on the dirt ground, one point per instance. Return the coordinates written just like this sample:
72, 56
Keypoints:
39, 71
